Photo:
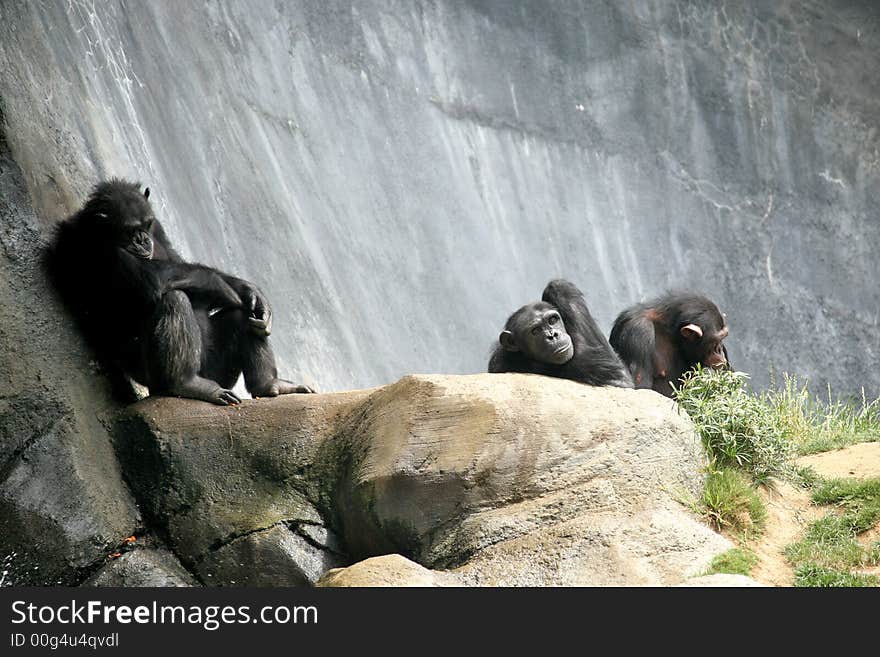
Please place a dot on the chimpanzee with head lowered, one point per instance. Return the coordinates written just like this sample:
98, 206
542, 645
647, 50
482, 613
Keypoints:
558, 336
662, 339
182, 329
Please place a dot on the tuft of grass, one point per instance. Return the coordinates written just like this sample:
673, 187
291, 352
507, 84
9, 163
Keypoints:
860, 498
806, 477
735, 561
730, 501
873, 554
737, 428
829, 542
817, 425
810, 574
847, 492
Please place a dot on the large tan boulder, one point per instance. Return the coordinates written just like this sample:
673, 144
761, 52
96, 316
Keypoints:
524, 480
387, 570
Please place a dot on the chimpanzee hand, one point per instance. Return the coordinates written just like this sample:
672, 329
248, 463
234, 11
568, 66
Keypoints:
258, 310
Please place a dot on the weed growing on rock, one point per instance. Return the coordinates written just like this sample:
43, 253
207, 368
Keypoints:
730, 501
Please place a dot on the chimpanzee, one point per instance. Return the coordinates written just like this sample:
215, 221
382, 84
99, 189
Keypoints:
558, 337
662, 339
182, 329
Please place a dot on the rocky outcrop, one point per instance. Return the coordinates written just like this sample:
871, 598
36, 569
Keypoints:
492, 479
63, 504
149, 567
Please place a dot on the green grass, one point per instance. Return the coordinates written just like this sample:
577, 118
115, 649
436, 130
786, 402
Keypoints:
730, 501
816, 425
806, 477
809, 574
828, 542
847, 492
736, 561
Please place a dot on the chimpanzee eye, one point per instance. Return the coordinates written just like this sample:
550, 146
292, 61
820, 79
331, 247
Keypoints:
552, 319
536, 330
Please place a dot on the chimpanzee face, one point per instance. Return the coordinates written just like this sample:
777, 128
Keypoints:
136, 237
538, 331
716, 354
706, 346
129, 219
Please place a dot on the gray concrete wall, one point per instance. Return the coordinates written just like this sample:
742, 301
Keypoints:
399, 176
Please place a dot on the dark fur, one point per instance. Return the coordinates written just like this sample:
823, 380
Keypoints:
594, 361
647, 337
179, 328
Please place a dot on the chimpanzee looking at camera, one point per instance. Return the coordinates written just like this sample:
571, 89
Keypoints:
662, 339
182, 329
558, 336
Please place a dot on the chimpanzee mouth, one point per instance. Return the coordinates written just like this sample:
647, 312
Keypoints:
563, 354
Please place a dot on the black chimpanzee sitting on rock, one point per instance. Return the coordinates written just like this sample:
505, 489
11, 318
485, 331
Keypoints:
181, 329
558, 336
662, 339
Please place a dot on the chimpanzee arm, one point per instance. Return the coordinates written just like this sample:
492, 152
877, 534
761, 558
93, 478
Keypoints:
594, 361
633, 338
567, 298
200, 283
572, 307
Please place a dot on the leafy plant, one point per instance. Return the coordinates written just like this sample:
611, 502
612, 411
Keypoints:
737, 428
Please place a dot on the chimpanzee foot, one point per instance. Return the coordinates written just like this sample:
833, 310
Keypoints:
280, 387
225, 398
206, 390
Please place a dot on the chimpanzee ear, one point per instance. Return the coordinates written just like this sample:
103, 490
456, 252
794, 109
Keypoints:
147, 193
691, 332
507, 341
